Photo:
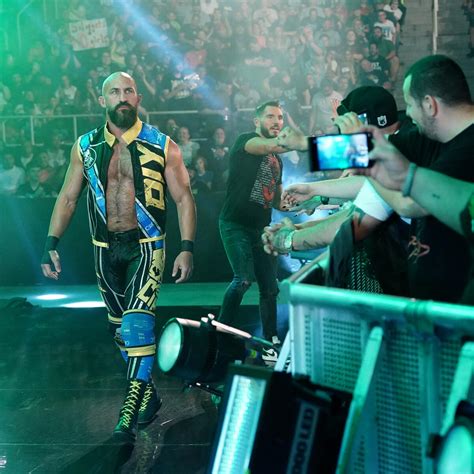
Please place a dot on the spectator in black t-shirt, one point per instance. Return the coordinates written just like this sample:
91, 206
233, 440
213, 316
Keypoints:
203, 175
468, 8
171, 129
379, 63
254, 188
387, 50
217, 152
286, 86
177, 88
354, 45
16, 89
449, 200
26, 155
309, 88
12, 176
197, 186
32, 188
371, 76
439, 103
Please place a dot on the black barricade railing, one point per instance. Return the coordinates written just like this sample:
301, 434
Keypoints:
14, 129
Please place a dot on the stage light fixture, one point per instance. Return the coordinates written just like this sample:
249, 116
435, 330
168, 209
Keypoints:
455, 450
201, 351
273, 422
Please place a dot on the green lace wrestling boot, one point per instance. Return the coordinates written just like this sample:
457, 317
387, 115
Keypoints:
126, 428
150, 405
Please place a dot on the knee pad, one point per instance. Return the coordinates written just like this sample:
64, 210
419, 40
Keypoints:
138, 332
114, 323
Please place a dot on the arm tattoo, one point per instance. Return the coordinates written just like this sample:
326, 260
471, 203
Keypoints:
311, 245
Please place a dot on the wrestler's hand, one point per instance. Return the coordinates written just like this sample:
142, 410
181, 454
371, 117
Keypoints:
307, 207
47, 268
183, 265
285, 204
292, 139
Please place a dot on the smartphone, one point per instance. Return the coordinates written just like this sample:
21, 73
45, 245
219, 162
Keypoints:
363, 118
340, 152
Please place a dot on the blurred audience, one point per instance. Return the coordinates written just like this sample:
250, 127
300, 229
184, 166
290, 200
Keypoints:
202, 173
212, 55
188, 147
32, 188
217, 152
12, 176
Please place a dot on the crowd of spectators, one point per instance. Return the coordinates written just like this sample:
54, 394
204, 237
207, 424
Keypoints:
468, 8
217, 57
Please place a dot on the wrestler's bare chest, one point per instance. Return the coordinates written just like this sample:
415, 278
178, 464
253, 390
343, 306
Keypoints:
120, 193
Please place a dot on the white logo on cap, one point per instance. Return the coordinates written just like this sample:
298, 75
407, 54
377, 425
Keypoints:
382, 121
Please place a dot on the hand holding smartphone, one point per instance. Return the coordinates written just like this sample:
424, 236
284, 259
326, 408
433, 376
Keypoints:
340, 152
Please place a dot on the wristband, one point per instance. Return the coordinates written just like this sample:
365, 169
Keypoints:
51, 244
187, 246
407, 185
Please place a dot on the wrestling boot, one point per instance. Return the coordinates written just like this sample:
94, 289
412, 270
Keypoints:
126, 428
150, 405
270, 356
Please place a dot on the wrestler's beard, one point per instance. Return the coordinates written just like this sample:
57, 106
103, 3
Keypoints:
123, 118
267, 133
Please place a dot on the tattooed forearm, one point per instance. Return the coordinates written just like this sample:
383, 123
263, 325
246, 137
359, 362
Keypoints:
306, 245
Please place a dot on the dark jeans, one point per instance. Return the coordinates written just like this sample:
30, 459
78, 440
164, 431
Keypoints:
246, 256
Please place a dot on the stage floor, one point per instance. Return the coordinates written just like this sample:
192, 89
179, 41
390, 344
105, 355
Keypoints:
63, 380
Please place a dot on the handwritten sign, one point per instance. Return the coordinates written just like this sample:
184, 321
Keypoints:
89, 34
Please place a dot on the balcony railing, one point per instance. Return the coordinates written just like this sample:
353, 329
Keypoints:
14, 129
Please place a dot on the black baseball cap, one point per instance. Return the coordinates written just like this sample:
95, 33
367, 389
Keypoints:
375, 101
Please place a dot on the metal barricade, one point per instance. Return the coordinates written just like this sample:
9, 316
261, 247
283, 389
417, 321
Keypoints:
411, 390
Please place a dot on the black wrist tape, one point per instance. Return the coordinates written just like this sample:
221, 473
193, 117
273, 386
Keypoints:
51, 244
187, 246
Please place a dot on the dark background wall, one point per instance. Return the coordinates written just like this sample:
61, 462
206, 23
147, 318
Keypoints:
24, 226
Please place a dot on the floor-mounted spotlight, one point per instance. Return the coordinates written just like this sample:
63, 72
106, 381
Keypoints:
454, 452
273, 422
201, 351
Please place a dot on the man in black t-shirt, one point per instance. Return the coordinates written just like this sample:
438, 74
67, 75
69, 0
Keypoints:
439, 103
253, 189
449, 200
